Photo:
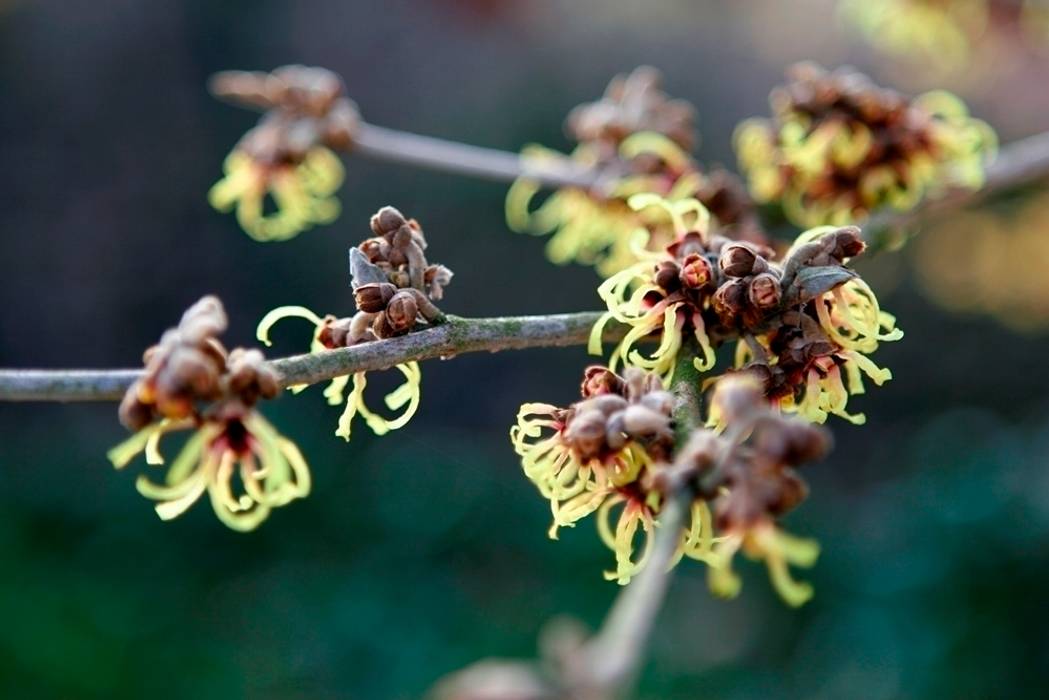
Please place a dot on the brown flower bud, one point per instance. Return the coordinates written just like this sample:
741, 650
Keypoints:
606, 404
696, 272
639, 382
250, 377
599, 380
436, 278
204, 319
375, 249
730, 300
386, 221
334, 332
786, 494
804, 442
586, 433
848, 243
737, 396
134, 414
341, 124
667, 274
401, 312
764, 291
373, 297
740, 260
641, 421
402, 237
380, 327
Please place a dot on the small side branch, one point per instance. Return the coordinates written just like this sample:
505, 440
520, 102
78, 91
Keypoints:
456, 336
432, 153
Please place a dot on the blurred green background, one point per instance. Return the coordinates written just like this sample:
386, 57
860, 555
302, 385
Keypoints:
425, 550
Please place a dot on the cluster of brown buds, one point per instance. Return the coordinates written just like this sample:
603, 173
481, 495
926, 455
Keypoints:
839, 147
288, 154
748, 476
392, 280
637, 139
190, 366
616, 410
394, 288
192, 383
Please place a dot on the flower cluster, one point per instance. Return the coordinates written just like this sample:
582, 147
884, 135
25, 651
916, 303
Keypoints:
812, 354
840, 147
192, 383
748, 477
612, 453
394, 287
288, 157
635, 140
594, 455
804, 324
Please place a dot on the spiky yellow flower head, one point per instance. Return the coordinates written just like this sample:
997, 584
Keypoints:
635, 140
594, 457
282, 175
840, 147
235, 442
676, 294
613, 454
593, 226
192, 384
748, 474
394, 288
814, 356
301, 192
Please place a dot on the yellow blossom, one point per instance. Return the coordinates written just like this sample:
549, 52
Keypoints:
634, 299
597, 230
243, 446
835, 159
764, 541
404, 398
610, 486
302, 193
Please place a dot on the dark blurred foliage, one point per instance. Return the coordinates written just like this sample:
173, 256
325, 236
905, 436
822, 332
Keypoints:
422, 551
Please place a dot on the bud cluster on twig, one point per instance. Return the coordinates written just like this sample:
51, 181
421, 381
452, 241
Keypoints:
394, 288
